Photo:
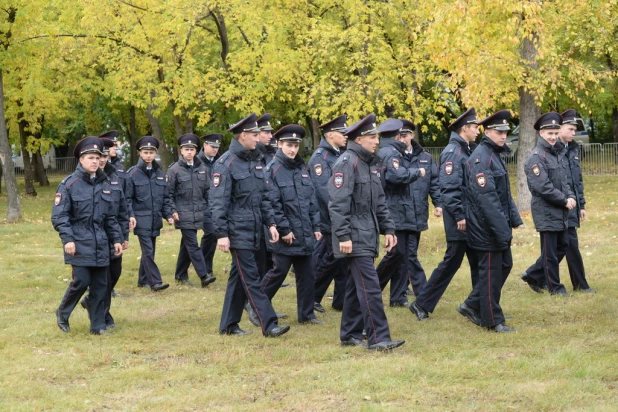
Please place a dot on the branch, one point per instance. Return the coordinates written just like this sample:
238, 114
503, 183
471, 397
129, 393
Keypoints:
244, 36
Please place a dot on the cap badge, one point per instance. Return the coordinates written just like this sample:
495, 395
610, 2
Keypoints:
216, 142
553, 122
95, 146
293, 134
503, 120
189, 141
480, 179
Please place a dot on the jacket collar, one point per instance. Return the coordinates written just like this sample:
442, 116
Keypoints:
364, 155
100, 175
457, 139
389, 141
543, 145
196, 162
289, 163
242, 152
109, 169
486, 141
142, 165
327, 146
416, 148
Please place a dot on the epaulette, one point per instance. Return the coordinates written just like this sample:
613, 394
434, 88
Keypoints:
319, 150
345, 158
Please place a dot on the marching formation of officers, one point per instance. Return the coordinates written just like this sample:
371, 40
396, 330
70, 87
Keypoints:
261, 202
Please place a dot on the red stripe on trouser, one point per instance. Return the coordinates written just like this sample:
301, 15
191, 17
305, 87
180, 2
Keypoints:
375, 335
491, 309
242, 278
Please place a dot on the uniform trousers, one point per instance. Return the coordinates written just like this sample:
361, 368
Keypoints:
208, 244
494, 269
114, 272
148, 274
575, 262
244, 284
190, 253
363, 307
327, 269
263, 257
401, 265
441, 277
545, 271
303, 270
94, 278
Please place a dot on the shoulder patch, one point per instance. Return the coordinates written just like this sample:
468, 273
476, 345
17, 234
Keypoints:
338, 180
57, 199
536, 169
395, 163
216, 179
481, 180
448, 168
318, 169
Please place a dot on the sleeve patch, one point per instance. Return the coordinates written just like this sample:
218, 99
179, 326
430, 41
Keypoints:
481, 180
448, 168
536, 169
318, 169
338, 180
57, 199
395, 162
216, 179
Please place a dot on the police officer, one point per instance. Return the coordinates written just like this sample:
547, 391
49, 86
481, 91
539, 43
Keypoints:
83, 217
552, 201
240, 206
453, 159
327, 267
359, 214
208, 156
491, 215
572, 156
298, 221
148, 202
188, 185
114, 160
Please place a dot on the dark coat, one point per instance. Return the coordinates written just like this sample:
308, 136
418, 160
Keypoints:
320, 168
294, 204
453, 161
268, 153
147, 198
425, 187
120, 170
357, 206
118, 205
239, 197
547, 181
83, 214
188, 192
207, 226
491, 212
571, 153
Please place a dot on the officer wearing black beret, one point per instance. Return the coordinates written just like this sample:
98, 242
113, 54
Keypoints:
113, 154
572, 156
328, 268
490, 217
188, 185
240, 206
552, 202
298, 222
453, 160
83, 217
359, 214
148, 203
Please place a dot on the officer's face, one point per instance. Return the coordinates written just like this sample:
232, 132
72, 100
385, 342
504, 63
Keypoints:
102, 160
90, 162
210, 151
406, 138
550, 135
249, 140
113, 151
567, 132
470, 131
289, 149
369, 142
187, 153
337, 139
265, 136
497, 136
147, 155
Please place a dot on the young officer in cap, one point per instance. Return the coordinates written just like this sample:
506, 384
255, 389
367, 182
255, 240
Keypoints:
83, 217
118, 207
397, 175
327, 267
453, 160
491, 215
359, 214
240, 206
188, 185
208, 156
571, 154
552, 201
148, 202
114, 160
298, 221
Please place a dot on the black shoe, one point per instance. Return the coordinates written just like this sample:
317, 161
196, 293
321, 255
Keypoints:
409, 292
561, 293
337, 308
400, 304
587, 290
281, 315
318, 308
208, 280
312, 321
285, 284
110, 325
253, 317
469, 313
236, 331
420, 313
532, 283
63, 324
354, 342
159, 286
184, 282
139, 285
277, 331
99, 332
386, 345
114, 294
502, 328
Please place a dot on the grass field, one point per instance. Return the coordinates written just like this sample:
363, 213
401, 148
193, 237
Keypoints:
166, 353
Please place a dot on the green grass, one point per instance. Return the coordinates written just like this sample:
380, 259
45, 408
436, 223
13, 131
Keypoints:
166, 353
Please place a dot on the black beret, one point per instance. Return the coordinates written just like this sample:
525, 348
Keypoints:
90, 144
213, 139
147, 142
338, 124
390, 128
112, 134
366, 126
290, 133
469, 116
551, 120
248, 124
264, 122
188, 140
497, 121
408, 126
569, 117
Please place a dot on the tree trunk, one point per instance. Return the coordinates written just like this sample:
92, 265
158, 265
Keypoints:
615, 123
528, 112
314, 127
25, 155
14, 207
155, 125
39, 169
133, 135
